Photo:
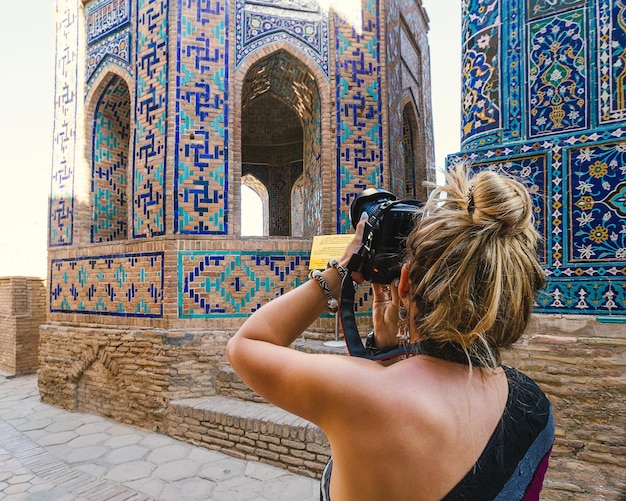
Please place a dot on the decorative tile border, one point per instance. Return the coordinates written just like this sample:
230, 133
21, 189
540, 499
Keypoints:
129, 285
216, 284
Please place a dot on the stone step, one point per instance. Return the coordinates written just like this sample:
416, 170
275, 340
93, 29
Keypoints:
249, 430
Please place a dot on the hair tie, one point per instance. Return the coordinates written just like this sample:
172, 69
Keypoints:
470, 200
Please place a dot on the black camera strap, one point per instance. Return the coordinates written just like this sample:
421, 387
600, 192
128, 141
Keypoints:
350, 330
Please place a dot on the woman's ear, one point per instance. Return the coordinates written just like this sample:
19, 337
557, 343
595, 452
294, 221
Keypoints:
404, 287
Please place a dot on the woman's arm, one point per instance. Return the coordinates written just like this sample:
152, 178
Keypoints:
259, 352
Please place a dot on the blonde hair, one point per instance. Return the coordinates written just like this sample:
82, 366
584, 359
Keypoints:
473, 263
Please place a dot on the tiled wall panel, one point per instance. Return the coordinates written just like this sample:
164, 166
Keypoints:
61, 216
152, 66
128, 285
201, 157
359, 108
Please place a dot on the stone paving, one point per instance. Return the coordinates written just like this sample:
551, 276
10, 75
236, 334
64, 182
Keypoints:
48, 454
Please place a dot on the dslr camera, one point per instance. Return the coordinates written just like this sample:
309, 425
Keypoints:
384, 238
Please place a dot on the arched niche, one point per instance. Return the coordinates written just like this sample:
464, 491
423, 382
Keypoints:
281, 139
109, 161
413, 153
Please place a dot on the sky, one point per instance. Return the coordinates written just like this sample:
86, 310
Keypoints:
27, 110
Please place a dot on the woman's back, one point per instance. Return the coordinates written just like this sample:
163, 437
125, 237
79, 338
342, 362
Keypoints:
441, 424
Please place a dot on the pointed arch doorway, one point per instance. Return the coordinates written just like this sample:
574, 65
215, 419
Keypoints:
110, 162
281, 144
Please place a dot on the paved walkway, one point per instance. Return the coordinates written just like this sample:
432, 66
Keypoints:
48, 454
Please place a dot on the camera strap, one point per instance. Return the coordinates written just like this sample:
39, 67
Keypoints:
350, 330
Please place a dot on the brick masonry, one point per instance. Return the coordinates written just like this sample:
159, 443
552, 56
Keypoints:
141, 377
581, 365
22, 311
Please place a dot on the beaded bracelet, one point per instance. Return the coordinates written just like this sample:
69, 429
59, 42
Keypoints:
334, 263
333, 304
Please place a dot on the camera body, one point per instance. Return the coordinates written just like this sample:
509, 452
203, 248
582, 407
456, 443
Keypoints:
384, 238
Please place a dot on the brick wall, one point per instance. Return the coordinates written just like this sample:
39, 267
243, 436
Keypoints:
22, 311
133, 375
127, 374
580, 364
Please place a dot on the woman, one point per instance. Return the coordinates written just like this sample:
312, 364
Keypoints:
448, 421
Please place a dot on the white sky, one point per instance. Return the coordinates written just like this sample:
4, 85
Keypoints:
27, 109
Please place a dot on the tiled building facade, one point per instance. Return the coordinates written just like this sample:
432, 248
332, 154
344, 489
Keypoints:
164, 109
543, 98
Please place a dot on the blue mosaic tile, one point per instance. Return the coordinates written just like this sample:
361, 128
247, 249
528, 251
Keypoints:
539, 8
150, 141
129, 285
573, 120
611, 54
202, 107
359, 109
597, 203
482, 104
61, 208
558, 74
215, 284
479, 15
109, 171
305, 26
219, 284
108, 34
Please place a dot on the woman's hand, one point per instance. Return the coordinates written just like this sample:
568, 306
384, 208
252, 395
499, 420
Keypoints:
353, 248
385, 314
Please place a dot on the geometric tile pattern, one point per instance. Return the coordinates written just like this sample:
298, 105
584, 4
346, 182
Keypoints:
129, 285
150, 118
61, 209
201, 176
235, 284
571, 119
215, 284
186, 142
359, 127
303, 24
110, 163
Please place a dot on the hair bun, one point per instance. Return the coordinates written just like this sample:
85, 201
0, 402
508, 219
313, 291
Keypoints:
500, 203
